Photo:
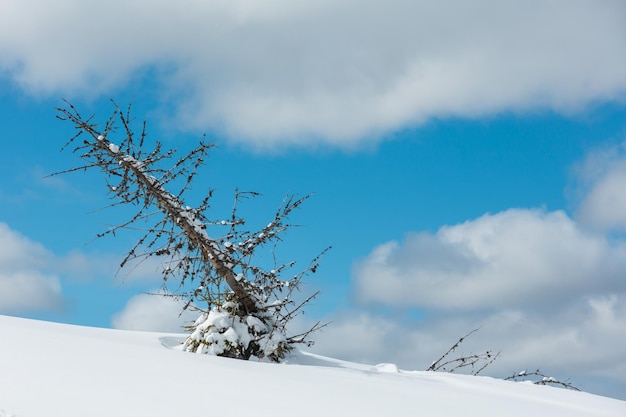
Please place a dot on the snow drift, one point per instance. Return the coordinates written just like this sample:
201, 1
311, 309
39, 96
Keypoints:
50, 369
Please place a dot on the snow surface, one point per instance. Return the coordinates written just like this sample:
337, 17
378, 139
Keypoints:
50, 369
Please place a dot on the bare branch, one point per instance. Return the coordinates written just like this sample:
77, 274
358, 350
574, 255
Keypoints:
542, 379
472, 360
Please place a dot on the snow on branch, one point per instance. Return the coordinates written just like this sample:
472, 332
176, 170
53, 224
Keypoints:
539, 378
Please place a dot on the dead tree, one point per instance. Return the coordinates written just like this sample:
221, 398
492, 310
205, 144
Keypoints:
476, 361
177, 233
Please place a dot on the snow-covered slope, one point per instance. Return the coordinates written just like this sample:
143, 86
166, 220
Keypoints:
50, 369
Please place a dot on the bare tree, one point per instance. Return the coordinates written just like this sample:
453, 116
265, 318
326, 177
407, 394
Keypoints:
476, 361
247, 307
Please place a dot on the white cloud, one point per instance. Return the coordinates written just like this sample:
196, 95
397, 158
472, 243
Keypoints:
340, 71
602, 183
25, 282
510, 259
32, 276
547, 290
156, 313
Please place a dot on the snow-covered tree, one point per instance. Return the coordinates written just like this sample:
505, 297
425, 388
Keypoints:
244, 307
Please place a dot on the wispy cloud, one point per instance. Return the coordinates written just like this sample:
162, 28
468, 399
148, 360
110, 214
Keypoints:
319, 71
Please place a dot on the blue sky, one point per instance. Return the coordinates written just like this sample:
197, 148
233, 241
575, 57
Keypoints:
467, 170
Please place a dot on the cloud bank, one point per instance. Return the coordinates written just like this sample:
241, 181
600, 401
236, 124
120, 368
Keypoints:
278, 72
602, 181
26, 282
544, 292
32, 277
547, 289
579, 342
506, 260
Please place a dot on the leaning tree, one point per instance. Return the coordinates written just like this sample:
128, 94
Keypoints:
244, 306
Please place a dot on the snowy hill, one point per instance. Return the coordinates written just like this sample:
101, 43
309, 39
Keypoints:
49, 369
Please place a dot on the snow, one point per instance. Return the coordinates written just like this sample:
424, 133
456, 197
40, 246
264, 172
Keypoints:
50, 369
114, 148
